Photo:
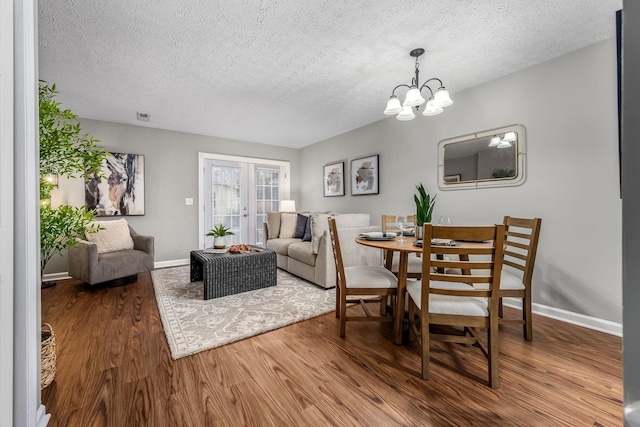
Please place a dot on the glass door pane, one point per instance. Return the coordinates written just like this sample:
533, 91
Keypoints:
267, 197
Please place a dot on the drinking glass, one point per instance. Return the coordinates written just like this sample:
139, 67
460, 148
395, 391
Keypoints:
403, 223
444, 220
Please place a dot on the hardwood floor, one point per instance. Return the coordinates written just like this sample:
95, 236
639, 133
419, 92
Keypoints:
114, 369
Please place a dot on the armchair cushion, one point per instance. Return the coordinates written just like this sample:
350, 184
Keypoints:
114, 236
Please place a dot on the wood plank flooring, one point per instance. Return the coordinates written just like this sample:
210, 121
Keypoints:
114, 369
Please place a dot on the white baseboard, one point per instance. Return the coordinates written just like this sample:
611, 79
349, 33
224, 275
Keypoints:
161, 264
174, 263
56, 276
578, 319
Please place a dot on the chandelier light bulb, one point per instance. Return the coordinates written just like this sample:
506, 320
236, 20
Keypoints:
495, 141
509, 136
406, 114
442, 98
393, 106
430, 109
414, 98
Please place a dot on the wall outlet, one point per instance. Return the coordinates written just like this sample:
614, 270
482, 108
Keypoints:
188, 201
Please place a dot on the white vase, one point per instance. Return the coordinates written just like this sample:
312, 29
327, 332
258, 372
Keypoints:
219, 242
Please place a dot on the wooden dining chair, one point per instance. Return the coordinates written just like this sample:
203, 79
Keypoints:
354, 283
392, 263
521, 242
450, 302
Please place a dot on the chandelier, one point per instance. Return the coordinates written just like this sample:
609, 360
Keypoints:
437, 101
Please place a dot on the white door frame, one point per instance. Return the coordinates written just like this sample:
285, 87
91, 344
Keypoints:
6, 213
285, 191
27, 407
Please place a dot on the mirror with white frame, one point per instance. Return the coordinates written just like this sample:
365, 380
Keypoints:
491, 158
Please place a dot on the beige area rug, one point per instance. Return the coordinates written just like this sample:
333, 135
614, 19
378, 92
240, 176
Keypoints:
192, 324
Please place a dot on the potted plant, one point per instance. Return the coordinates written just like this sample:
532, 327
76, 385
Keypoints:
220, 234
64, 151
424, 208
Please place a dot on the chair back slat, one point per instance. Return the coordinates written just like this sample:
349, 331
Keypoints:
513, 264
521, 239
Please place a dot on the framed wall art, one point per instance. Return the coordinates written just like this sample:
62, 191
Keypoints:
120, 190
365, 177
333, 179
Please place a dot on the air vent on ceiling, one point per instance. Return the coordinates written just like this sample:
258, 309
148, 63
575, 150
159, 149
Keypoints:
143, 117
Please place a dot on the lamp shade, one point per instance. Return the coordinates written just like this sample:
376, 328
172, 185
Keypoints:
414, 98
287, 205
430, 109
406, 114
393, 106
442, 98
495, 141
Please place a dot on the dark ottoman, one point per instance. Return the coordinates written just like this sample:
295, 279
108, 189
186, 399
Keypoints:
227, 274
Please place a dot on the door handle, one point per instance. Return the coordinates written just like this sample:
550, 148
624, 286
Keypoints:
245, 215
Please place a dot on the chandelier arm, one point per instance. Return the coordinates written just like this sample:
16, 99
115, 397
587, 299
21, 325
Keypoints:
433, 78
393, 92
428, 87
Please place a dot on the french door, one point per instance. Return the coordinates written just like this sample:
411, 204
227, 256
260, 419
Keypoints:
238, 192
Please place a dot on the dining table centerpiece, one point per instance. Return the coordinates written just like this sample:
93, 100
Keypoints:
424, 208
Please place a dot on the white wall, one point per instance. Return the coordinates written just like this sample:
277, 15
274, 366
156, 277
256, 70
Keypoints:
171, 175
568, 107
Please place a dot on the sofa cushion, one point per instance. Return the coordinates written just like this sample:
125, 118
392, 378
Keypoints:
288, 225
302, 252
115, 236
273, 224
351, 220
301, 225
281, 246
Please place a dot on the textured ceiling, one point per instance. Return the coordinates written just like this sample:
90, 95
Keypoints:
290, 72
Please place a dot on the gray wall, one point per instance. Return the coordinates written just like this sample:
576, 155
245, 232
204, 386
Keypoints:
171, 175
631, 210
572, 172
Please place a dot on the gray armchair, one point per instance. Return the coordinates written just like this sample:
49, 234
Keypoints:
86, 264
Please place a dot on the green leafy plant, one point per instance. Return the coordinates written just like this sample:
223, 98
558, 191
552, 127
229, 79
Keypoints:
424, 205
64, 151
503, 173
220, 231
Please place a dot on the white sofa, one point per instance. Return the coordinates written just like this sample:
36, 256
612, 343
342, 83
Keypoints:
313, 260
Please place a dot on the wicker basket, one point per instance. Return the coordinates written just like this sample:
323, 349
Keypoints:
48, 355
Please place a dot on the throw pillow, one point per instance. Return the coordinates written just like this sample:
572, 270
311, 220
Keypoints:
273, 224
301, 225
115, 236
319, 224
288, 223
307, 231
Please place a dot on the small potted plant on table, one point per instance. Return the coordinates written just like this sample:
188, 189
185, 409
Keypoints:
424, 208
220, 234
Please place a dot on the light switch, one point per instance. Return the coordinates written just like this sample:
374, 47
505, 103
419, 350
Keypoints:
188, 201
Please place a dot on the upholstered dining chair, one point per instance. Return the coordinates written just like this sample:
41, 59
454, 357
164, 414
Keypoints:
450, 302
354, 283
521, 242
414, 268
